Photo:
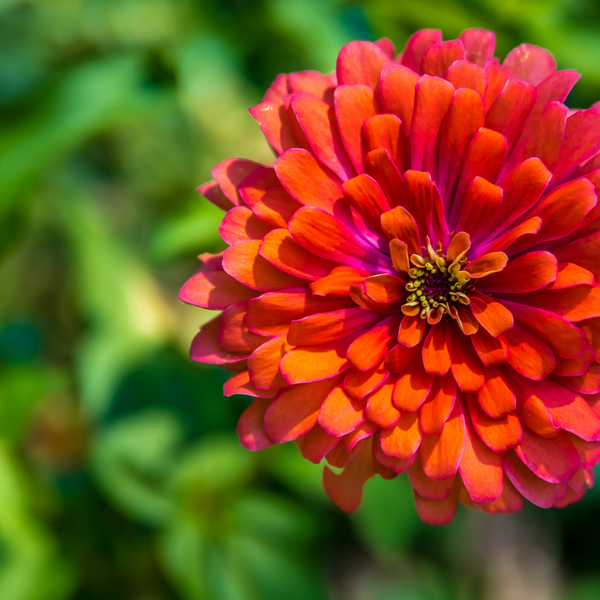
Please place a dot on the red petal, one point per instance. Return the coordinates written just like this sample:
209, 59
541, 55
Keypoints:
278, 89
463, 74
581, 141
537, 491
233, 333
400, 357
475, 212
295, 410
359, 384
274, 123
589, 383
432, 99
386, 131
365, 195
239, 224
330, 326
315, 83
380, 409
206, 348
498, 434
313, 363
283, 252
271, 313
318, 122
397, 93
276, 207
479, 45
526, 273
440, 56
340, 414
230, 173
367, 350
439, 404
523, 187
250, 427
379, 165
323, 235
496, 397
398, 223
213, 193
315, 444
530, 63
215, 290
387, 46
426, 487
466, 368
404, 439
346, 489
491, 351
437, 512
496, 77
557, 222
563, 338
263, 364
592, 334
419, 200
240, 384
480, 468
510, 500
437, 349
243, 262
354, 104
511, 108
528, 355
412, 388
441, 454
338, 282
360, 62
589, 452
307, 180
573, 304
575, 366
554, 460
485, 156
417, 45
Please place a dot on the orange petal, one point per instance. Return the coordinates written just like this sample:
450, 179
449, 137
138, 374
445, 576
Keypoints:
234, 335
359, 384
340, 414
491, 350
494, 317
398, 465
380, 409
250, 427
404, 439
399, 223
384, 288
466, 368
510, 501
346, 489
397, 359
399, 254
412, 387
315, 444
528, 355
487, 264
537, 491
438, 512
338, 282
411, 331
441, 454
498, 434
426, 487
240, 223
480, 468
240, 384
439, 404
263, 364
496, 397
295, 410
367, 350
437, 349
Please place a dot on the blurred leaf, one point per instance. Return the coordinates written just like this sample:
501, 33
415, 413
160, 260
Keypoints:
21, 389
132, 460
128, 314
387, 519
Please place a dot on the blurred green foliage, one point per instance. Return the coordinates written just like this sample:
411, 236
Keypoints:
120, 472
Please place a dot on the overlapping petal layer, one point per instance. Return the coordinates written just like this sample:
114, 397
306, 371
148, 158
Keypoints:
411, 285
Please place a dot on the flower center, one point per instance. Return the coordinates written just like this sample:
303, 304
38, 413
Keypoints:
436, 285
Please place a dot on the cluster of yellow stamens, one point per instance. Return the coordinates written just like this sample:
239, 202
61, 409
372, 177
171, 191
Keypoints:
435, 286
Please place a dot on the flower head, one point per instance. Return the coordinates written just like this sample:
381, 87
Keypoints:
411, 285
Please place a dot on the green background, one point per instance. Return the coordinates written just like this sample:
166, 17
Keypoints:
120, 473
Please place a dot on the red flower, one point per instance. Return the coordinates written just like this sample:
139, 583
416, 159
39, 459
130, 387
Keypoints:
411, 285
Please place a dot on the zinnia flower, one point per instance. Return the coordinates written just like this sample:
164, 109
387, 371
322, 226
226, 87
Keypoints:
411, 285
